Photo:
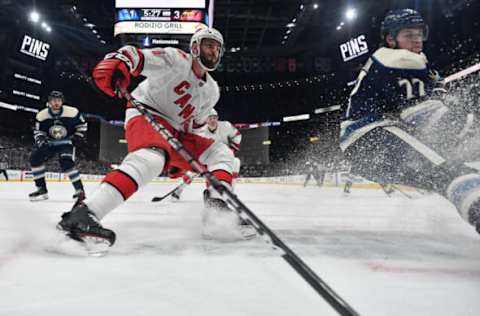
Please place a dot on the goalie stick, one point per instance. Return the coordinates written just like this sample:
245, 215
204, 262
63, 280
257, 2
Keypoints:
319, 285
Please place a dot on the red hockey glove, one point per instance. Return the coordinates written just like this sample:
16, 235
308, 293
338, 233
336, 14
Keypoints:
110, 72
175, 172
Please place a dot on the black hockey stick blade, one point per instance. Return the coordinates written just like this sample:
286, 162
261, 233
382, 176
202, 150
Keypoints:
160, 198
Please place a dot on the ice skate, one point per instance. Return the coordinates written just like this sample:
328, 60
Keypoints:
81, 225
221, 222
247, 230
79, 195
39, 195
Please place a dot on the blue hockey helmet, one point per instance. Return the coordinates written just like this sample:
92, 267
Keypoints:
56, 94
396, 20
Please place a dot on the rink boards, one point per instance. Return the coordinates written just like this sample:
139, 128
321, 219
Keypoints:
331, 179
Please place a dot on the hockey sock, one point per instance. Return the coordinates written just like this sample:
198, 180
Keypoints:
137, 169
225, 178
74, 177
39, 176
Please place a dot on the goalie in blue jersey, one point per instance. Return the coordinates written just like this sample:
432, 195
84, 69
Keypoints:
399, 126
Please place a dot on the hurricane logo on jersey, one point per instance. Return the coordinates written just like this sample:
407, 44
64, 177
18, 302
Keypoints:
57, 132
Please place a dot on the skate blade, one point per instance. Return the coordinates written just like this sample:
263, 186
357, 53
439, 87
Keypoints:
94, 246
248, 232
63, 244
233, 238
39, 198
228, 234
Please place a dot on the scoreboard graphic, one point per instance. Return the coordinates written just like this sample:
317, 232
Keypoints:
157, 23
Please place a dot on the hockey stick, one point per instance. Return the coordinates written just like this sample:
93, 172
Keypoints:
408, 196
160, 198
320, 286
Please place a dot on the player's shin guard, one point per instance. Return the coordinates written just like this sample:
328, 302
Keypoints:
136, 170
464, 193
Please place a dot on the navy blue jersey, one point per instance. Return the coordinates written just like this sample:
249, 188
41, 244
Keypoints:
60, 126
390, 81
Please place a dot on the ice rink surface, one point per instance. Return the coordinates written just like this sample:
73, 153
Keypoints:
383, 255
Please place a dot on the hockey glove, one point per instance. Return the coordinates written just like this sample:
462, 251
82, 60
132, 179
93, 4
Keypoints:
109, 73
77, 140
41, 142
175, 172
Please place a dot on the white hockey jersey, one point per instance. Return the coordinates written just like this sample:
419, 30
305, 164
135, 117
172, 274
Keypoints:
225, 133
171, 89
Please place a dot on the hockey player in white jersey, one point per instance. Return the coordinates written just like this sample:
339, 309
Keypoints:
220, 131
224, 132
179, 92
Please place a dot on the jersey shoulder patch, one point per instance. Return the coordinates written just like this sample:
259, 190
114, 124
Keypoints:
400, 59
69, 111
42, 115
163, 56
227, 125
177, 57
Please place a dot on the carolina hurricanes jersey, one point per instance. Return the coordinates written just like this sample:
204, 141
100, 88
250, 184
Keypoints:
171, 88
225, 133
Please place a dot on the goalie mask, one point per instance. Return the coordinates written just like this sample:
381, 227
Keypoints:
195, 50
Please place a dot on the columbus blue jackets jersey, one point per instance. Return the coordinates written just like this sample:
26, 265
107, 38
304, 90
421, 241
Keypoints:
59, 126
390, 81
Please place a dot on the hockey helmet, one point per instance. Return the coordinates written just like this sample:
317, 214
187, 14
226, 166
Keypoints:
201, 34
396, 20
213, 112
55, 94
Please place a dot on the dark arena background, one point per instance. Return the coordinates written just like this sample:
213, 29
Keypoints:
285, 79
287, 69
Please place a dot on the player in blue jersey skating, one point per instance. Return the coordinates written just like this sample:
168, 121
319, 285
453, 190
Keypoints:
58, 130
398, 127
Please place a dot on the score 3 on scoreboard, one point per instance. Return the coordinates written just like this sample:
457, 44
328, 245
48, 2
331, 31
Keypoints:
160, 22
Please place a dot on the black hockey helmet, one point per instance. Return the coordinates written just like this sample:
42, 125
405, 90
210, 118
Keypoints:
396, 20
56, 94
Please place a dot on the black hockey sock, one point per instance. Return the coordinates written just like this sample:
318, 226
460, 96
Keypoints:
40, 183
78, 185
